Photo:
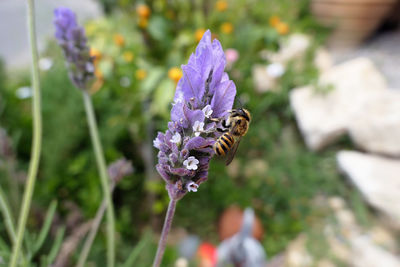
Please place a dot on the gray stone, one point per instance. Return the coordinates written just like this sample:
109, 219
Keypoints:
375, 127
377, 178
324, 116
367, 254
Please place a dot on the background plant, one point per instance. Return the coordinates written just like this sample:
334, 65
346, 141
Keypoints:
273, 171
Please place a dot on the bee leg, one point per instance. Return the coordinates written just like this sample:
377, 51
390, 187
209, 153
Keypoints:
225, 125
222, 130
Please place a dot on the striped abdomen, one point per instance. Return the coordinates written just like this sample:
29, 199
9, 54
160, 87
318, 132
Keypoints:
223, 144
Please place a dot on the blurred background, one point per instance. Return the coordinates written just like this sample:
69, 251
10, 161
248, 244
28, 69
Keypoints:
319, 166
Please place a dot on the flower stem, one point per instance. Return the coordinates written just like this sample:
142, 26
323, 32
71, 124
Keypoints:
163, 239
93, 232
37, 139
105, 181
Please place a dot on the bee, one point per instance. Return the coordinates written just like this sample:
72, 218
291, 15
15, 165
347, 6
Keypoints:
235, 127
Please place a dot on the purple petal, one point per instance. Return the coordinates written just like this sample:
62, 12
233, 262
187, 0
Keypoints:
196, 143
193, 115
223, 98
161, 170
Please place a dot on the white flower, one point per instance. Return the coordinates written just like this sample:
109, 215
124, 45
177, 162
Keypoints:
192, 186
275, 70
45, 63
191, 163
176, 138
198, 127
24, 92
156, 143
207, 111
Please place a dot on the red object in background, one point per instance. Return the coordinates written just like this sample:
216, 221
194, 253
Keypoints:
207, 254
231, 222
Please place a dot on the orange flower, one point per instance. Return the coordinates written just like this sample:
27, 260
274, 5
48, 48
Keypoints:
175, 74
128, 56
119, 39
143, 11
221, 5
98, 83
274, 20
96, 54
282, 28
143, 22
199, 34
140, 74
227, 27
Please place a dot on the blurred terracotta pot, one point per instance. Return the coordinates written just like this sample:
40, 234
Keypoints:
353, 20
230, 223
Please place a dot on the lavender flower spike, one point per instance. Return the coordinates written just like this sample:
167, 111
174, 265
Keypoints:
204, 93
72, 39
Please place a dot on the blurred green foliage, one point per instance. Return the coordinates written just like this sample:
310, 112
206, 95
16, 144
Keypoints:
273, 171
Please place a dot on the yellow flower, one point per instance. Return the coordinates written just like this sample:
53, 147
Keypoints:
282, 28
143, 11
95, 53
119, 39
128, 56
274, 20
221, 5
140, 74
227, 27
175, 74
143, 22
199, 34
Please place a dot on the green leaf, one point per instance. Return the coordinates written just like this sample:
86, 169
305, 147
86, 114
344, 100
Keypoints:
152, 80
137, 249
56, 246
163, 97
46, 227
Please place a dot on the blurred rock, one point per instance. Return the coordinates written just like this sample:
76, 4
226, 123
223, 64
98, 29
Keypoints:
325, 263
336, 203
297, 254
263, 81
367, 254
375, 127
377, 178
256, 167
323, 60
294, 47
323, 117
231, 222
383, 237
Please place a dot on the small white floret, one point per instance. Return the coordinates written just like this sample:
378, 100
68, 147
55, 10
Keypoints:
207, 111
191, 163
176, 138
198, 127
192, 186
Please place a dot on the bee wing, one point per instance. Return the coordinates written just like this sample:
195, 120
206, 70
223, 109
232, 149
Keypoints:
232, 152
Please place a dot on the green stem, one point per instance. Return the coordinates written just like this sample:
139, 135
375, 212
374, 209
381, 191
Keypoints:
9, 222
37, 138
164, 234
93, 231
105, 181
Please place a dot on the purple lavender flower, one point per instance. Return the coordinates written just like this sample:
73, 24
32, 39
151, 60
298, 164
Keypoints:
72, 39
204, 93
